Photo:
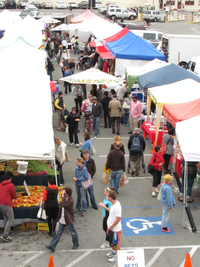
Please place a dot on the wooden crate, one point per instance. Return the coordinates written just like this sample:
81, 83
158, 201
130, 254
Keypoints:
31, 226
19, 228
2, 166
43, 227
12, 164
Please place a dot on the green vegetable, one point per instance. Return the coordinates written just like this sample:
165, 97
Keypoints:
37, 166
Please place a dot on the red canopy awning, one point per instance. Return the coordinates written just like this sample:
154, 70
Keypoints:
104, 52
82, 17
117, 36
181, 112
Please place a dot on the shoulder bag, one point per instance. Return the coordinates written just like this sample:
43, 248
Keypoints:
163, 147
150, 168
41, 212
66, 156
87, 183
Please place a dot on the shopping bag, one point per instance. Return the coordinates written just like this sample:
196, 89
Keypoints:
87, 183
105, 178
41, 212
66, 156
163, 148
121, 182
197, 181
126, 180
93, 150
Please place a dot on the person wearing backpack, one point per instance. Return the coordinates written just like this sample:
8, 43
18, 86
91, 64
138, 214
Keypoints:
136, 147
157, 162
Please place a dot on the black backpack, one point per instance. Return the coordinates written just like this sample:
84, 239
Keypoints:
136, 146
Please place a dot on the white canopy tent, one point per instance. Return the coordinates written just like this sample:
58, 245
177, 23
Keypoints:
65, 27
92, 76
191, 128
22, 28
179, 92
26, 132
48, 19
8, 18
102, 32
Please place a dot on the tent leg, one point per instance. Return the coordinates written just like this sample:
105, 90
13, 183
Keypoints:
185, 192
174, 155
56, 178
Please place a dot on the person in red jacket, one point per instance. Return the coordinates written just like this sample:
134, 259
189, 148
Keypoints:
157, 162
7, 193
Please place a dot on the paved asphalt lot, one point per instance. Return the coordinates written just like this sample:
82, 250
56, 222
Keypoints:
28, 249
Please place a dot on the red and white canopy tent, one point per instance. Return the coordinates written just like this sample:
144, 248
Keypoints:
82, 17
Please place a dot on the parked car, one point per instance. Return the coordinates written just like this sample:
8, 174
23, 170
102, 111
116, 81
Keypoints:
32, 9
37, 4
2, 5
73, 5
105, 8
98, 4
61, 5
154, 15
83, 5
22, 3
117, 13
194, 65
10, 4
25, 13
47, 5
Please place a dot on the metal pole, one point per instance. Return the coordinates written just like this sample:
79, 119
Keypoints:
185, 191
91, 5
174, 155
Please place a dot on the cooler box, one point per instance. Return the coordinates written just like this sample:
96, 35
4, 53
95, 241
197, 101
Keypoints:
135, 90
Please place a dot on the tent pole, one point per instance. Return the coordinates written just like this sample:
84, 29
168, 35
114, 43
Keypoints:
174, 155
185, 192
56, 178
148, 107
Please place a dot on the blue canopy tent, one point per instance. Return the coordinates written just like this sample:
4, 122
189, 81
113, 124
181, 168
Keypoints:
165, 75
131, 46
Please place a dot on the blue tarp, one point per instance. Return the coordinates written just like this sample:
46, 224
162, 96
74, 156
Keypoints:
131, 46
165, 75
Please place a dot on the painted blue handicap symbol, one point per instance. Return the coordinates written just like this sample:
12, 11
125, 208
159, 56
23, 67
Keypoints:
144, 226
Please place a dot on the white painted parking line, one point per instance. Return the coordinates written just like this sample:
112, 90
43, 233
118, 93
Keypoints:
140, 177
192, 251
32, 258
80, 258
109, 138
158, 253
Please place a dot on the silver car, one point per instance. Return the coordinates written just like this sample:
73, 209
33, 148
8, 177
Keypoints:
154, 15
117, 13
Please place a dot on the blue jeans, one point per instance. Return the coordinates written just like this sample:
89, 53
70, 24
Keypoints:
50, 74
96, 121
92, 198
81, 197
115, 178
165, 215
126, 116
189, 187
59, 232
76, 48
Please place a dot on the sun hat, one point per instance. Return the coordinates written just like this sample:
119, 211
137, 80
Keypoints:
167, 178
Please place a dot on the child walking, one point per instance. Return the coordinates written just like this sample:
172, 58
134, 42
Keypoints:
167, 199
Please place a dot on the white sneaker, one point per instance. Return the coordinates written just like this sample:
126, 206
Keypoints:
77, 145
111, 254
153, 194
105, 245
71, 144
113, 259
157, 191
95, 137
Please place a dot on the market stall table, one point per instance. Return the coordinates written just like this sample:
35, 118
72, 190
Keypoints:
149, 130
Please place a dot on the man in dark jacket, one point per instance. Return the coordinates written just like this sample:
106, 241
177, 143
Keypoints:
105, 103
65, 218
116, 162
7, 193
59, 106
91, 167
72, 121
136, 147
97, 115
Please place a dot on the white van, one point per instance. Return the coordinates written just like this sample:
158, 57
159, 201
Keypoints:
149, 34
194, 65
98, 4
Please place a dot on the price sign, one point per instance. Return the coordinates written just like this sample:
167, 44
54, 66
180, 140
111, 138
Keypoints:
26, 188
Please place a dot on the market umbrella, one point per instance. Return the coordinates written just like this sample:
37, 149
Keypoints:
92, 76
47, 19
64, 27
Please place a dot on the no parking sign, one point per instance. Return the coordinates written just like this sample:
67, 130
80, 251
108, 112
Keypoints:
130, 258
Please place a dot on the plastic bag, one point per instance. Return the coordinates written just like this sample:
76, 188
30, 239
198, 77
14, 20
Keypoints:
197, 181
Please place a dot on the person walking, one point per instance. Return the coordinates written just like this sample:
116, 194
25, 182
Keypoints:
60, 158
106, 205
135, 113
91, 167
168, 201
120, 90
136, 147
113, 145
72, 122
67, 72
115, 109
96, 115
50, 69
157, 162
69, 47
7, 194
105, 103
65, 219
87, 144
114, 225
51, 204
81, 174
106, 66
126, 107
76, 45
116, 163
59, 105
168, 140
77, 91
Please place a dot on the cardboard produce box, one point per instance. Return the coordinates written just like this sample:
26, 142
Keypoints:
31, 226
19, 228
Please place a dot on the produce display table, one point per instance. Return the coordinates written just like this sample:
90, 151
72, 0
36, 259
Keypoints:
149, 130
30, 180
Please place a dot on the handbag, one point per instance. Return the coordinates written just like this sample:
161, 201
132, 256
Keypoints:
93, 150
122, 119
163, 147
87, 183
150, 168
121, 182
41, 212
105, 178
66, 156
125, 105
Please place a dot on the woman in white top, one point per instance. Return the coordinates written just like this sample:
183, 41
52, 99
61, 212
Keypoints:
60, 157
73, 42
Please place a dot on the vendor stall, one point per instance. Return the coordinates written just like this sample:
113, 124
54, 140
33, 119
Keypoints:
149, 130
